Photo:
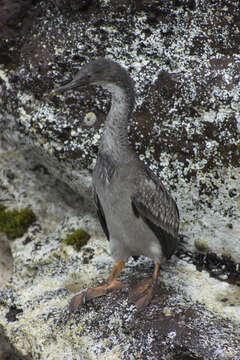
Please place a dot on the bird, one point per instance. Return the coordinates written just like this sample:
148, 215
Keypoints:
138, 215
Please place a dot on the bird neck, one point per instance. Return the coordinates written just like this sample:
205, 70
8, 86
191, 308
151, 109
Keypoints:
115, 136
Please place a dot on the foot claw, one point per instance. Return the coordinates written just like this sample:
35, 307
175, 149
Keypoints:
84, 295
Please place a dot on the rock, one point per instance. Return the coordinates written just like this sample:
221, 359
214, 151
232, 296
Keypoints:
186, 123
6, 351
6, 260
191, 314
184, 58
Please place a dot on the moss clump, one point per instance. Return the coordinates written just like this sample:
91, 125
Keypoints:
14, 223
77, 239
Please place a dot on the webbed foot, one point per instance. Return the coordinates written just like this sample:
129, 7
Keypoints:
143, 293
91, 293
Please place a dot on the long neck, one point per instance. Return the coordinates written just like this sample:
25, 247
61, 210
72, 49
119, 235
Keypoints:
115, 136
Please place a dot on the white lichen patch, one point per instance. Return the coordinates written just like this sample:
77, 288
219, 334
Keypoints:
5, 78
219, 228
192, 50
219, 297
90, 119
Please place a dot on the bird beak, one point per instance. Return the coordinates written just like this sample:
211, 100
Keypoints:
78, 81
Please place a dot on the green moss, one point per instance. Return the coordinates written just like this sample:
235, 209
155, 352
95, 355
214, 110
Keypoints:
77, 239
14, 223
2, 207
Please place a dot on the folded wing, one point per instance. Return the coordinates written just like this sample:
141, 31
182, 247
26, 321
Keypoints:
158, 210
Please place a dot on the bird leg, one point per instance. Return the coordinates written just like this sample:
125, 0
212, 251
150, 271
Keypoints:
91, 293
142, 294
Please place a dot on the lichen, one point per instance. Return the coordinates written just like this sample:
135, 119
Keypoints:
77, 239
201, 245
14, 223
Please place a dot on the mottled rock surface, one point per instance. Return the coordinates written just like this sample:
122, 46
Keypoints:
184, 58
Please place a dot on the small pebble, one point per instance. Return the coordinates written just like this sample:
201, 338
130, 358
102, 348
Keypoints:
90, 119
201, 245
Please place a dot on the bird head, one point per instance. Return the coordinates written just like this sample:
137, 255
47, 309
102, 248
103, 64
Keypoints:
98, 72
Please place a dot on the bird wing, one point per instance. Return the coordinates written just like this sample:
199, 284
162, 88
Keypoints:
100, 213
158, 210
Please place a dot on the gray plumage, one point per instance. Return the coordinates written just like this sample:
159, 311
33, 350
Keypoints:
138, 215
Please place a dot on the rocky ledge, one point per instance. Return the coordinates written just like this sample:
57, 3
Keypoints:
184, 58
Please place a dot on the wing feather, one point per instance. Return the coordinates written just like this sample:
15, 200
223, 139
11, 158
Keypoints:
101, 214
159, 211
